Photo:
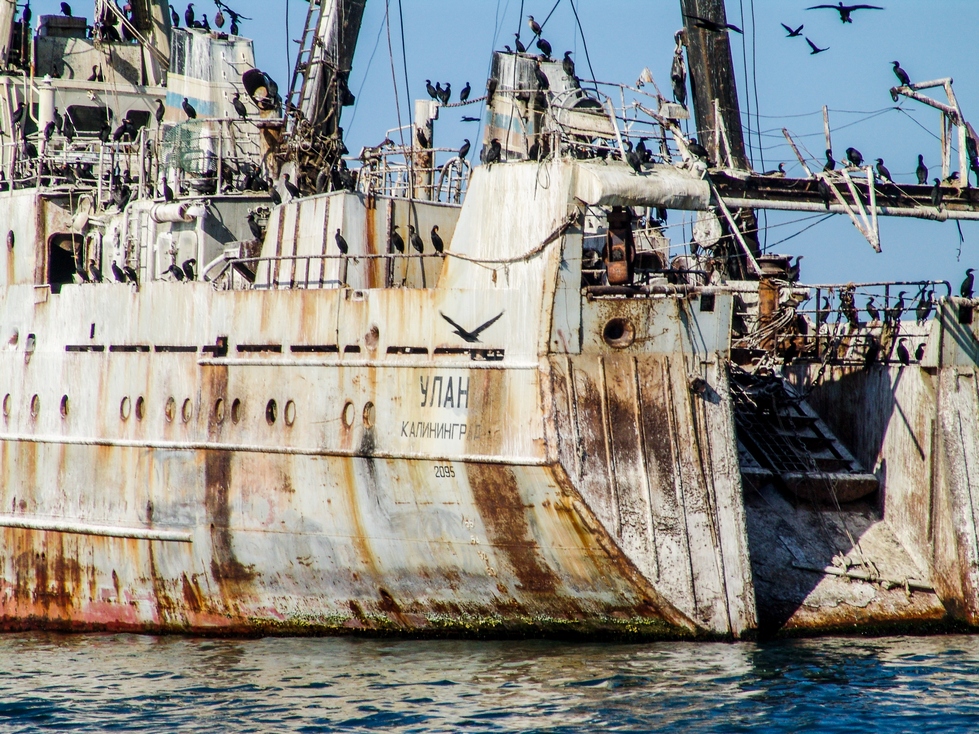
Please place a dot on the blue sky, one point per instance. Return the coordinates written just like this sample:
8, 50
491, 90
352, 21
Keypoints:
451, 40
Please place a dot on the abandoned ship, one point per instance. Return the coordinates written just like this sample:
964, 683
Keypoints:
252, 383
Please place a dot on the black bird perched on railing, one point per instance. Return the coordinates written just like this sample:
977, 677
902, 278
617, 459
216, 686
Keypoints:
568, 65
545, 47
904, 357
830, 161
430, 89
167, 191
130, 274
495, 152
534, 25
794, 270
341, 243
845, 10
709, 25
793, 33
189, 109
521, 49
872, 351
854, 157
174, 17
815, 49
117, 272
290, 186
937, 194
437, 243
94, 271
872, 311
105, 132
204, 24
645, 155
966, 289
49, 130
68, 129
415, 239
275, 196
894, 313
25, 17
188, 268
322, 180
901, 74
464, 94
125, 130
778, 172
239, 106
446, 94
919, 353
255, 227
397, 241
189, 16
882, 171
632, 157
924, 308
18, 115
541, 77
438, 91
175, 272
66, 10
160, 112
696, 149
921, 171
464, 150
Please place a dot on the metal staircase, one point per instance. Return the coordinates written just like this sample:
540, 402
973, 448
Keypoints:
307, 46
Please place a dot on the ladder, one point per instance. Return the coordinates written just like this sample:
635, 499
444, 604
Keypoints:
307, 46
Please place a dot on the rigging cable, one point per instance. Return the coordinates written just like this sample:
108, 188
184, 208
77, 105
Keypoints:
744, 63
404, 60
394, 75
584, 43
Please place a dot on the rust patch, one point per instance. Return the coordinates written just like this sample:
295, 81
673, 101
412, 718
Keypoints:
225, 566
215, 386
192, 597
498, 498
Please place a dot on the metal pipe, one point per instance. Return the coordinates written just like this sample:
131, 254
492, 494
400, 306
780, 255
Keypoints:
84, 528
919, 212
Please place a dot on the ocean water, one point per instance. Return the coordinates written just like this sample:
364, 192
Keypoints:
95, 683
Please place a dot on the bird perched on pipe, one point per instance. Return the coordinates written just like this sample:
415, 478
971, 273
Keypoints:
921, 171
341, 243
397, 241
415, 240
901, 74
437, 243
904, 357
854, 157
882, 171
966, 289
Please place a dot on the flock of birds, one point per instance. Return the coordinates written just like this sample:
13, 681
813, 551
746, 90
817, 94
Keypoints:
191, 20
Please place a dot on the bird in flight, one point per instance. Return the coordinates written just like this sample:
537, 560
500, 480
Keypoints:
471, 336
815, 49
710, 25
793, 33
845, 10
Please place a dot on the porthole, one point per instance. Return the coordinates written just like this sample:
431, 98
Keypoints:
369, 415
236, 410
219, 411
170, 410
290, 413
271, 412
64, 406
125, 408
187, 411
6, 405
618, 333
35, 406
348, 414
140, 408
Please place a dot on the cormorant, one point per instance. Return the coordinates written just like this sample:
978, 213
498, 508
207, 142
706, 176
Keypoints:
174, 17
437, 243
882, 171
854, 157
188, 268
925, 305
122, 131
253, 225
466, 118
965, 290
793, 33
823, 315
464, 150
322, 179
239, 106
506, 47
66, 10
921, 171
25, 17
830, 161
204, 24
644, 154
49, 130
815, 49
696, 149
396, 239
18, 114
894, 313
130, 274
544, 46
415, 240
534, 25
901, 74
936, 194
952, 178
117, 272
175, 272
160, 112
872, 351
275, 196
632, 158
779, 172
290, 186
794, 270
341, 243
495, 151
68, 129
872, 311
845, 10
902, 352
167, 191
709, 25
521, 49
105, 132
189, 109
94, 271
430, 89
438, 91
541, 77
464, 94
568, 65
189, 16
446, 93
919, 353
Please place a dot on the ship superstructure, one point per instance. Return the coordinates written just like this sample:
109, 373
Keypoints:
244, 390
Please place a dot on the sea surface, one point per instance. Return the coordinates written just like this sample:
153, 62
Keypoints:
95, 683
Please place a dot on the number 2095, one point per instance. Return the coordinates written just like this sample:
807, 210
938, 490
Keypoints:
444, 471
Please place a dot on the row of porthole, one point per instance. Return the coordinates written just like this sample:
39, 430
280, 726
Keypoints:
127, 408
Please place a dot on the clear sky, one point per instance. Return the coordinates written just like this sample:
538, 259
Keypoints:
451, 40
